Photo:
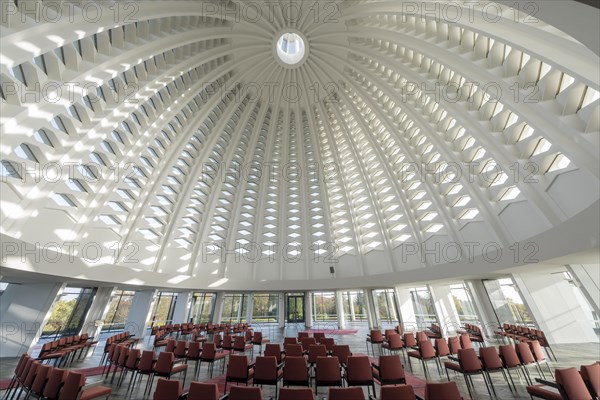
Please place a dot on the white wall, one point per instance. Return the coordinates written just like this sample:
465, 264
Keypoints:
445, 309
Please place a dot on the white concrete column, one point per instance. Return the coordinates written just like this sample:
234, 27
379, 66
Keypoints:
351, 306
407, 310
182, 307
308, 315
97, 311
445, 309
24, 311
372, 312
281, 310
139, 313
587, 278
339, 301
483, 307
218, 308
554, 307
248, 315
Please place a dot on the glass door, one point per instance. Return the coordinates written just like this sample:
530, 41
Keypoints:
295, 308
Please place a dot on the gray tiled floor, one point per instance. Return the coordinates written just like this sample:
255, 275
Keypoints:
568, 355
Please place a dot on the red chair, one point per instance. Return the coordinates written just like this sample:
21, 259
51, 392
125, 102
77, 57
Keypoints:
389, 371
193, 354
359, 373
18, 370
441, 349
37, 386
409, 340
55, 381
465, 341
144, 367
511, 361
442, 391
209, 355
421, 336
569, 383
245, 393
274, 350
180, 351
526, 358
402, 392
167, 390
424, 353
227, 343
73, 389
491, 362
454, 345
165, 367
394, 344
240, 345
295, 394
315, 351
328, 343
319, 336
306, 342
293, 350
538, 355
327, 372
468, 365
267, 372
239, 370
302, 335
289, 340
203, 391
342, 352
375, 338
591, 377
258, 340
350, 393
295, 371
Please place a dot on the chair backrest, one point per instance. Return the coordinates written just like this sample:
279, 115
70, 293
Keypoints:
21, 364
465, 341
404, 392
328, 369
237, 367
490, 358
509, 356
55, 380
591, 377
245, 393
203, 391
349, 393
307, 341
239, 343
316, 350
40, 378
328, 343
359, 368
209, 350
394, 341
170, 345
468, 360
265, 368
73, 384
536, 350
454, 344
146, 361
193, 350
342, 352
295, 369
572, 384
123, 355
257, 337
227, 342
294, 394
421, 336
318, 336
390, 368
165, 361
167, 390
294, 350
426, 349
273, 349
180, 348
376, 336
409, 339
389, 332
290, 340
31, 374
302, 334
524, 353
444, 390
441, 348
132, 358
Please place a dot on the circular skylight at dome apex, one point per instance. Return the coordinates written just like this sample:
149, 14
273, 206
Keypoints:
291, 48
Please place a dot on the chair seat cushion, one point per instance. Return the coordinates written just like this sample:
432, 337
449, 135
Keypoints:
179, 368
94, 392
414, 354
543, 392
453, 366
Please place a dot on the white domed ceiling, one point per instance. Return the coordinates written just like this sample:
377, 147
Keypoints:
235, 144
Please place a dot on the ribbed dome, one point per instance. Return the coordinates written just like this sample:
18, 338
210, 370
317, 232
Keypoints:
190, 153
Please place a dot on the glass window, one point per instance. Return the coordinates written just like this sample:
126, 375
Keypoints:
464, 304
264, 307
201, 310
507, 302
234, 308
355, 306
118, 309
324, 307
385, 301
423, 306
164, 304
68, 311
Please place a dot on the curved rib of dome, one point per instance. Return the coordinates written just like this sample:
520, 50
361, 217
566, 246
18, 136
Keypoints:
164, 143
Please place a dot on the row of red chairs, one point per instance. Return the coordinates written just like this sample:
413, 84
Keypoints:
570, 384
186, 328
64, 350
519, 333
35, 378
173, 390
123, 338
474, 332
